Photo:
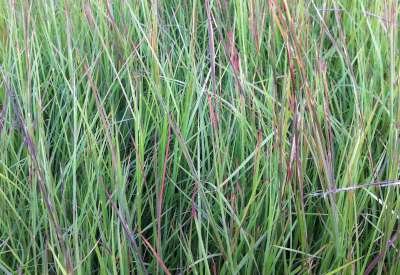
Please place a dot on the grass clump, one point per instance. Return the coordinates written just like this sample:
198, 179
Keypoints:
203, 136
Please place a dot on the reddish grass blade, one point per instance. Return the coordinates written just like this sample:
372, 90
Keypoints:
156, 255
380, 256
129, 233
87, 9
211, 50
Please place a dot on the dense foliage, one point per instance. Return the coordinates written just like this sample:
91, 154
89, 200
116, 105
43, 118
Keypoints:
199, 137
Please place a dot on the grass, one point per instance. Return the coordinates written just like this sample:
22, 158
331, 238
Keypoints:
199, 137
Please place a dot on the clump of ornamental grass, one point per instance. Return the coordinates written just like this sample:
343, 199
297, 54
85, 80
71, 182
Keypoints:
203, 136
